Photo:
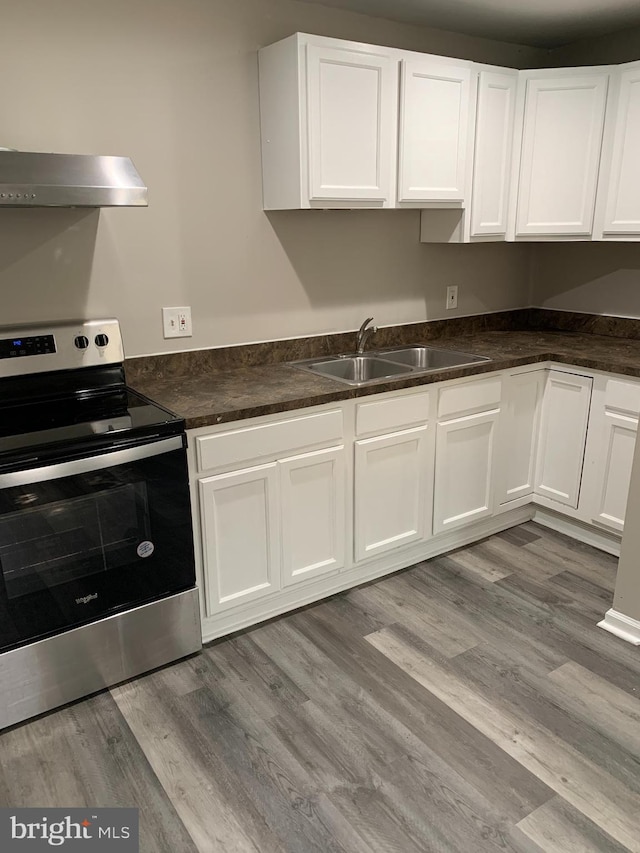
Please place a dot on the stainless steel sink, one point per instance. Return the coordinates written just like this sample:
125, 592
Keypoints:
378, 365
430, 358
357, 369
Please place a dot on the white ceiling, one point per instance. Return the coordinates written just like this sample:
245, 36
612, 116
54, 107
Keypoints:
544, 23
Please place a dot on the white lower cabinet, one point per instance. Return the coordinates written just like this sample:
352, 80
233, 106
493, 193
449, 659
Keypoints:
390, 491
613, 426
563, 433
241, 537
322, 500
615, 469
519, 428
464, 470
312, 495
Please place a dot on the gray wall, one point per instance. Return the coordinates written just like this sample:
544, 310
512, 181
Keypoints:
598, 278
173, 84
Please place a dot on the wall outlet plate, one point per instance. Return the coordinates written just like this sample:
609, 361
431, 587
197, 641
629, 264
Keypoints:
176, 322
452, 296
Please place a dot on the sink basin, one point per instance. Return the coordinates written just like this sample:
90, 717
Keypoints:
430, 358
378, 365
358, 369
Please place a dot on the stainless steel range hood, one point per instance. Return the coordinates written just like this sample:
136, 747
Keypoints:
69, 180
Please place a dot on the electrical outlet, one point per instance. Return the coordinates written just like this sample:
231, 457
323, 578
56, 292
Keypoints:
176, 322
452, 296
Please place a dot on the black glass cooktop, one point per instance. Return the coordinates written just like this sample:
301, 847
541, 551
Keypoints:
105, 415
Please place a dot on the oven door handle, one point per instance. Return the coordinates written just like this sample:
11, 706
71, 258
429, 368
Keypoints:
105, 459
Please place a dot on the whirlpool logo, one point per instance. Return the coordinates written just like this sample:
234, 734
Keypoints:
100, 830
85, 599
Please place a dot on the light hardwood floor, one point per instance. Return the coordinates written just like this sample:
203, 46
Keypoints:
468, 704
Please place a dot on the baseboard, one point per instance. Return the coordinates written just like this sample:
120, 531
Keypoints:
622, 626
600, 539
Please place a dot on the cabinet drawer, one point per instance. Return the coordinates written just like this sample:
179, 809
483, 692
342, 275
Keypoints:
268, 440
386, 415
472, 396
623, 396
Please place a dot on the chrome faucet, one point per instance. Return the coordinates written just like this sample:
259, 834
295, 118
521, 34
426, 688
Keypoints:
364, 333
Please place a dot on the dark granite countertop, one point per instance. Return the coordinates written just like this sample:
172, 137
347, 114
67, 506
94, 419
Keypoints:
209, 396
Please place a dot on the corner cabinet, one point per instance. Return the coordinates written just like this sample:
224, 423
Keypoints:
562, 114
485, 215
619, 191
518, 436
493, 153
563, 433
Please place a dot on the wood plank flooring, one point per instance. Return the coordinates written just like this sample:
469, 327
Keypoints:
467, 704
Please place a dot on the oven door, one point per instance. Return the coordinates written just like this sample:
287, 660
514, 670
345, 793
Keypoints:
91, 536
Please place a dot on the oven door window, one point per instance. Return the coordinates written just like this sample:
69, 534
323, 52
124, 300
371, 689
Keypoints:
77, 548
71, 539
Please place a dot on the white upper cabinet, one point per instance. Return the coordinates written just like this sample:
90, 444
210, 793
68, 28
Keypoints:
619, 193
434, 127
338, 130
493, 149
329, 123
487, 153
351, 111
562, 113
485, 215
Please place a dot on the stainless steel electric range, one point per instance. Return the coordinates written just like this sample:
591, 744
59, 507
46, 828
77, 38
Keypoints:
97, 573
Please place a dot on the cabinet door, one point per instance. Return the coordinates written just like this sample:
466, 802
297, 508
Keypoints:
519, 424
613, 425
351, 103
240, 532
563, 433
390, 491
434, 119
561, 144
464, 470
312, 489
614, 471
622, 214
493, 145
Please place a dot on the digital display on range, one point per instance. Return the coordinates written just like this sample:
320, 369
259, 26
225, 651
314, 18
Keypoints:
20, 347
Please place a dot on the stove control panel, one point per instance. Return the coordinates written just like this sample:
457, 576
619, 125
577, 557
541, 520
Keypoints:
33, 345
59, 346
